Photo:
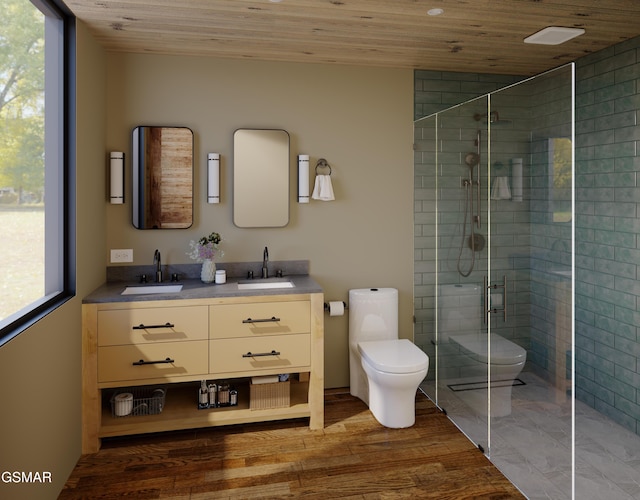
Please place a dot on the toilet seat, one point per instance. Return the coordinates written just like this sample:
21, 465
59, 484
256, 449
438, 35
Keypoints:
394, 356
503, 351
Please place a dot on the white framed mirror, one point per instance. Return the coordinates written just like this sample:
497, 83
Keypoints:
261, 178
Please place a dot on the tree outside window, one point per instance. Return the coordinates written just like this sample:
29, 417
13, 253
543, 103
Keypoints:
22, 155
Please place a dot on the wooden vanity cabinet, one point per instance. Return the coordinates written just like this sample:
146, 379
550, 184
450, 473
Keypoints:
177, 343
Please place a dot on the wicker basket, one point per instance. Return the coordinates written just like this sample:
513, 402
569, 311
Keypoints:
273, 395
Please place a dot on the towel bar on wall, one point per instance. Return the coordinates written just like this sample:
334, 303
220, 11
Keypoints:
487, 299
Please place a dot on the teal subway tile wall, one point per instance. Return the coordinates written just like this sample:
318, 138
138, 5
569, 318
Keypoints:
439, 90
607, 226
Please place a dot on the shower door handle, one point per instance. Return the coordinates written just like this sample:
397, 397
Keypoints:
478, 201
487, 299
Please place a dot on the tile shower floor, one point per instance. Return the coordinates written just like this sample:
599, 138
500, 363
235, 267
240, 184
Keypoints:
532, 446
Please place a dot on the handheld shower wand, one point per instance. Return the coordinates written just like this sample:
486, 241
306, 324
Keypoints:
472, 160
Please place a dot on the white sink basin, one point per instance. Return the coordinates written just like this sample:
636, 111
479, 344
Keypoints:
145, 289
264, 284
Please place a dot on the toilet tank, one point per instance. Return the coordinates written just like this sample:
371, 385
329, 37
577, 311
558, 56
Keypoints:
459, 310
373, 314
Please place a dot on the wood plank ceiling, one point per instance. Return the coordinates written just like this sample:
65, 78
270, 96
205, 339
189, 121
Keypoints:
483, 36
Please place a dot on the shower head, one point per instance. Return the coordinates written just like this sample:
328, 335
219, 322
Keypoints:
472, 159
493, 116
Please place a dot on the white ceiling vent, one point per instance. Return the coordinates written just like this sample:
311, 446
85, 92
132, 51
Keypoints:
554, 35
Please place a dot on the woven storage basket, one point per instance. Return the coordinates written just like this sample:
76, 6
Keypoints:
265, 396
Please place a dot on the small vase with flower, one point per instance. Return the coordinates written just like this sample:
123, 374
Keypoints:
205, 250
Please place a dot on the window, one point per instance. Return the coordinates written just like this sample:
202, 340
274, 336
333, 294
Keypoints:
560, 174
35, 161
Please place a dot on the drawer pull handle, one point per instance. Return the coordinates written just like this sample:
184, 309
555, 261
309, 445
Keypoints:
143, 362
272, 319
258, 354
142, 326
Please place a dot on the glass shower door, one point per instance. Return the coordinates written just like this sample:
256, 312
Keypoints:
530, 254
451, 231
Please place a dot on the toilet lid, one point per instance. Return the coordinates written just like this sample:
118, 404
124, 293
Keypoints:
394, 356
503, 351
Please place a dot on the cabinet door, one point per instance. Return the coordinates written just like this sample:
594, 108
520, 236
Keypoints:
259, 319
147, 361
159, 324
279, 354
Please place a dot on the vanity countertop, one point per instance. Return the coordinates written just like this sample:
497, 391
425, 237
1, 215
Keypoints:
196, 289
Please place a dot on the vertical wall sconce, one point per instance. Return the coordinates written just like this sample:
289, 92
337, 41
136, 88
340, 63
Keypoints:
116, 175
213, 178
303, 178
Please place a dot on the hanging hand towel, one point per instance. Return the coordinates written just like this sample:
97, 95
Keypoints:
323, 189
501, 189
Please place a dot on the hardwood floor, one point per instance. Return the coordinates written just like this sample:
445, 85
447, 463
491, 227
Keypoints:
353, 457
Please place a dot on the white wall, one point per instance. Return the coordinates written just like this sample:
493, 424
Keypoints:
358, 118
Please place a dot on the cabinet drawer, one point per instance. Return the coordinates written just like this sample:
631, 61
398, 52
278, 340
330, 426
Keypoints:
259, 319
141, 326
117, 362
232, 355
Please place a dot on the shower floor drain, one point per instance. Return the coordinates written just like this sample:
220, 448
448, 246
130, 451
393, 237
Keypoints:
474, 386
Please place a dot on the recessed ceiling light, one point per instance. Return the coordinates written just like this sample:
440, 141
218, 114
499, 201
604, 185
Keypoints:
554, 35
435, 12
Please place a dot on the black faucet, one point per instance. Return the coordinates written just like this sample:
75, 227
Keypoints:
265, 260
156, 260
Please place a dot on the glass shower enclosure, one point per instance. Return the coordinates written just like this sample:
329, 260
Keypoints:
494, 239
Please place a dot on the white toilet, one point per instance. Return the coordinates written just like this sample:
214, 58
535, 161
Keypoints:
385, 371
460, 322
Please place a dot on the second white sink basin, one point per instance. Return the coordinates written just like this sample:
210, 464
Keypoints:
264, 284
144, 289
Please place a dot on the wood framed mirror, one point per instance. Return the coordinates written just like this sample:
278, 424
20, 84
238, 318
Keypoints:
162, 177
